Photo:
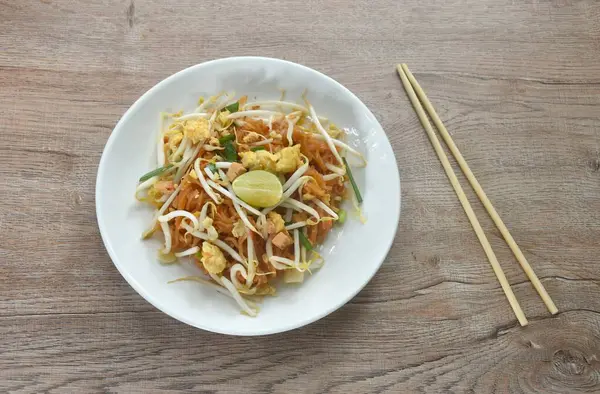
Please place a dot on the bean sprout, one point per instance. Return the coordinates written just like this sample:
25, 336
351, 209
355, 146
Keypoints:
290, 132
296, 248
251, 266
291, 203
330, 177
288, 214
181, 148
179, 213
237, 297
210, 174
162, 209
167, 232
146, 184
297, 174
345, 146
185, 163
204, 211
235, 269
263, 142
286, 262
325, 134
223, 177
326, 208
335, 169
193, 116
273, 103
188, 252
204, 184
296, 225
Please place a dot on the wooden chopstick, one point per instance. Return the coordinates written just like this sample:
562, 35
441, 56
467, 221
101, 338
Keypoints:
512, 300
481, 194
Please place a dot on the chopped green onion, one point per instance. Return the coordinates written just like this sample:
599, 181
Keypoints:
212, 167
255, 148
352, 182
225, 138
341, 216
155, 172
288, 223
304, 241
230, 152
233, 107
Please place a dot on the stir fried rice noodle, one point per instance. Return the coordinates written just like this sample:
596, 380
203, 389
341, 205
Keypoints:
242, 249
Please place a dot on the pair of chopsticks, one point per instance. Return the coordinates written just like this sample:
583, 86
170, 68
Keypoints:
411, 85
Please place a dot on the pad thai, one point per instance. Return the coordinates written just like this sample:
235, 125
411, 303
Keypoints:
248, 191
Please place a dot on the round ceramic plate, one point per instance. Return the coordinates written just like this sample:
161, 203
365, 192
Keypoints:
353, 252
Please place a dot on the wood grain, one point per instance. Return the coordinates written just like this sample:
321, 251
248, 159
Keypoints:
517, 83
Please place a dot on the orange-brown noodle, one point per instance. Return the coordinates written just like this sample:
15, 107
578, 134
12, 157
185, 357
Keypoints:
323, 186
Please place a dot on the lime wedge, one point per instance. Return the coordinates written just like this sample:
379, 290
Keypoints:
258, 188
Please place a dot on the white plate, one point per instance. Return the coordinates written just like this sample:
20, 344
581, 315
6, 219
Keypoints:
353, 253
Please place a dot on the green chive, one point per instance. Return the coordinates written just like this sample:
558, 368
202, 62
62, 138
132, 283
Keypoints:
260, 147
230, 152
225, 138
352, 182
341, 216
232, 107
155, 172
212, 167
305, 242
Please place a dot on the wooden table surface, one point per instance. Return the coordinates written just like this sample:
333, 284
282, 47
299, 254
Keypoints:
517, 84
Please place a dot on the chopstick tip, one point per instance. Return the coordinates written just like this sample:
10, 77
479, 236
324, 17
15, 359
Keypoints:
399, 70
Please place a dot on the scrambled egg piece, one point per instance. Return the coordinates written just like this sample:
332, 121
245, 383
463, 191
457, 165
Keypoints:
239, 229
252, 137
174, 141
278, 222
222, 121
259, 160
196, 130
207, 222
275, 135
289, 159
212, 258
286, 160
222, 116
